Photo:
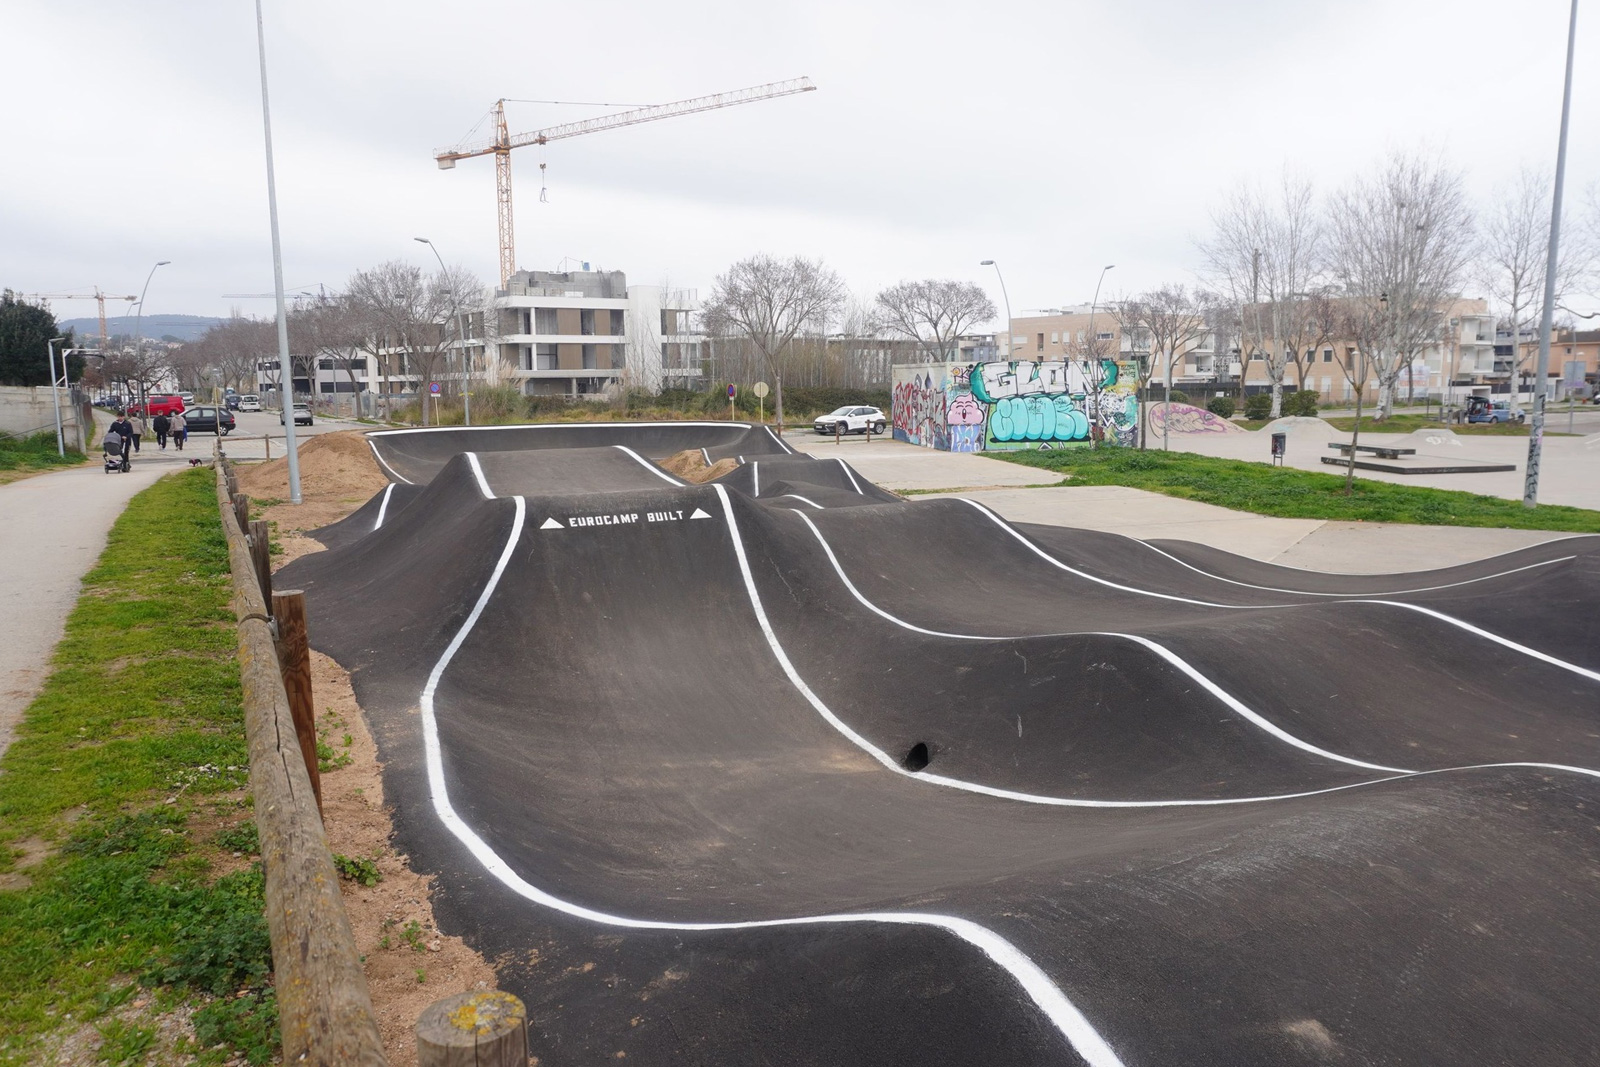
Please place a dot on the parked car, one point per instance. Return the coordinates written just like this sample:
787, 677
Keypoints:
187, 398
249, 402
231, 401
854, 419
159, 404
209, 420
302, 415
1482, 409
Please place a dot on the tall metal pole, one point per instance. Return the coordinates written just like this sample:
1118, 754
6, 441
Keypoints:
1095, 380
461, 333
138, 339
1004, 296
55, 398
277, 272
1530, 488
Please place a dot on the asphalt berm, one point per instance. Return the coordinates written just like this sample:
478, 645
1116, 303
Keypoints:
734, 773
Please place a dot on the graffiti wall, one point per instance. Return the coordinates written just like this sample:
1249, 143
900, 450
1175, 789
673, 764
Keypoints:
1014, 404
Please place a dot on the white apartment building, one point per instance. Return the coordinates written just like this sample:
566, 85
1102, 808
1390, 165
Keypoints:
578, 332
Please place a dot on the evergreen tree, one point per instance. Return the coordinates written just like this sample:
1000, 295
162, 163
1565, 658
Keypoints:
25, 333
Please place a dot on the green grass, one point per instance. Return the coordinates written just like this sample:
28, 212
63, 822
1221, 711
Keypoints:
137, 732
27, 455
1405, 423
1285, 492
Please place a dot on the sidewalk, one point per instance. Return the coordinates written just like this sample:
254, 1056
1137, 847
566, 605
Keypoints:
1310, 544
52, 530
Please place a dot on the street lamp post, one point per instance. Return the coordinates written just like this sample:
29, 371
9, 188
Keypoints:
1530, 489
461, 333
55, 398
138, 323
1094, 341
1003, 295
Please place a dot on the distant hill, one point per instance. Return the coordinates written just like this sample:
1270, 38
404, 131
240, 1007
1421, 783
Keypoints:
183, 327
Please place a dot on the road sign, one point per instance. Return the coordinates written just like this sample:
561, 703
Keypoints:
730, 390
761, 389
433, 387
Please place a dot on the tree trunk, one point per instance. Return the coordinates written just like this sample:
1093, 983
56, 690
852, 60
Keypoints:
1355, 439
1385, 398
777, 400
1277, 396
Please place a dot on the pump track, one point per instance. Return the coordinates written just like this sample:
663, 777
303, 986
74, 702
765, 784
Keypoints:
781, 769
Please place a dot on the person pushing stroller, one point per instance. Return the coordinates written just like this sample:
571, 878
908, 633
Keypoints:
119, 437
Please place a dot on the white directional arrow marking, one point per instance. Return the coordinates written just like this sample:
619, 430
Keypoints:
552, 524
698, 514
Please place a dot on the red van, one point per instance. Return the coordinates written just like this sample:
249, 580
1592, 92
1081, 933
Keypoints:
160, 404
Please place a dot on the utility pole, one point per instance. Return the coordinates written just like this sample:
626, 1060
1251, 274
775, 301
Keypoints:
1530, 489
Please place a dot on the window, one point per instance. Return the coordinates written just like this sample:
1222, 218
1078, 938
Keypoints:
544, 321
1055, 337
586, 321
619, 357
617, 322
1327, 357
1103, 335
544, 357
589, 355
1040, 344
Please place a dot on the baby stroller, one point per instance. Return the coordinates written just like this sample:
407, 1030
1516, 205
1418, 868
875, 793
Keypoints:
115, 449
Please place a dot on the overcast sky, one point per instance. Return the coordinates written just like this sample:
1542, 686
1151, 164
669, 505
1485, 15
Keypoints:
1054, 137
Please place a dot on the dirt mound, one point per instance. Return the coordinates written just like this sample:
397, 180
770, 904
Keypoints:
331, 465
690, 465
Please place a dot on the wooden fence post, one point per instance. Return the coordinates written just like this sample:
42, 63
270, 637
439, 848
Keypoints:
261, 556
483, 1029
241, 510
294, 655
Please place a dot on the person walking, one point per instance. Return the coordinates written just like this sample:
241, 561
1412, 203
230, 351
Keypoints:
162, 426
180, 429
124, 428
141, 426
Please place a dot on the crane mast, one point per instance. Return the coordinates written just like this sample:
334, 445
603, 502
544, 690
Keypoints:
503, 142
97, 296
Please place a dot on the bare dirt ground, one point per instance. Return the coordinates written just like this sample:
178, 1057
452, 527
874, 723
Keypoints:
690, 465
409, 963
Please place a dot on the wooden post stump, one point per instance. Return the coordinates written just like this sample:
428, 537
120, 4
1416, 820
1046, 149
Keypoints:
294, 655
241, 510
482, 1029
261, 556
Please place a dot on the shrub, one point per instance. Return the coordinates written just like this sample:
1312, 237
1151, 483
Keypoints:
1220, 406
1178, 396
1302, 403
1257, 406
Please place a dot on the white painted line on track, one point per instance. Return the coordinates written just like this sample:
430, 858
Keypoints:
477, 472
379, 457
803, 500
1232, 702
850, 475
707, 456
1485, 634
1394, 592
651, 467
755, 473
383, 506
1040, 988
515, 427
781, 442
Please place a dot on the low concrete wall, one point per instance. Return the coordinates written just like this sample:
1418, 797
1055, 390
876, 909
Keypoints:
26, 409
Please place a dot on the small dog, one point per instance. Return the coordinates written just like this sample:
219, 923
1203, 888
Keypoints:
196, 462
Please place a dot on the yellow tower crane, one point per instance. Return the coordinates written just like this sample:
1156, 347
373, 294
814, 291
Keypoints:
96, 296
503, 142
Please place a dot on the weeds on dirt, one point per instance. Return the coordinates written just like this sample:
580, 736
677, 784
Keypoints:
137, 730
361, 872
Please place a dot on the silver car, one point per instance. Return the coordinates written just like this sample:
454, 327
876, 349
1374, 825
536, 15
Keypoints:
853, 418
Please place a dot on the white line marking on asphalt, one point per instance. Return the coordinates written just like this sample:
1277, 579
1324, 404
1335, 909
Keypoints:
797, 496
379, 457
781, 442
1394, 592
1161, 650
1485, 634
755, 473
851, 476
1038, 985
477, 472
707, 456
383, 507
651, 467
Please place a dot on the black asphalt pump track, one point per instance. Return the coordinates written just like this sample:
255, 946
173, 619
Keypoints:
898, 783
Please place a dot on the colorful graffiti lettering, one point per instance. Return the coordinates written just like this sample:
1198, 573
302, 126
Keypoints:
1185, 418
918, 412
965, 420
1014, 404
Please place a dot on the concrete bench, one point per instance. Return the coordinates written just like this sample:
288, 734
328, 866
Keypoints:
1384, 451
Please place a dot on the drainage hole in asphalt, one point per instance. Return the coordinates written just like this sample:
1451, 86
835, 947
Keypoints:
917, 758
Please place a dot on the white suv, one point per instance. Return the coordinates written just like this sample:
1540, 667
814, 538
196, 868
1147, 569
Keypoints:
853, 419
250, 402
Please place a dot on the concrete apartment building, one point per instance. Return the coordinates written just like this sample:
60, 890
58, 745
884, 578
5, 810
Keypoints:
575, 333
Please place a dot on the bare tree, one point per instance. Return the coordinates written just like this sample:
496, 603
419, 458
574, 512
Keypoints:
933, 314
1404, 235
769, 302
1514, 246
1266, 252
1170, 320
411, 316
1368, 322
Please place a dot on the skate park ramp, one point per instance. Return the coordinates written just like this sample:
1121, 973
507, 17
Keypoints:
717, 777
